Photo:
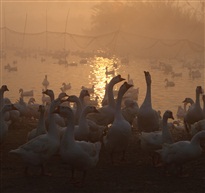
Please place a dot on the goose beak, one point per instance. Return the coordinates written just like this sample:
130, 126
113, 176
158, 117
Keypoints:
172, 117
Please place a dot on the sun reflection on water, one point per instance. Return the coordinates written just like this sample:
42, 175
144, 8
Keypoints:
99, 77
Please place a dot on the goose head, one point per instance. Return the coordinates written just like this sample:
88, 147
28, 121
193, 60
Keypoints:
124, 87
84, 93
4, 88
199, 90
91, 109
20, 90
64, 111
41, 108
116, 79
62, 95
72, 98
188, 101
148, 77
168, 115
48, 92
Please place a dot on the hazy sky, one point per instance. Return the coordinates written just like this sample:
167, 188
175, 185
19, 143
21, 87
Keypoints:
15, 12
15, 15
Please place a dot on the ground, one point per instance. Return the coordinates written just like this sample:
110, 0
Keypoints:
137, 174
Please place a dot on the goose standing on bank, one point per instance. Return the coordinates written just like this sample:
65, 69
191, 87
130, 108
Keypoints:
79, 155
148, 118
4, 124
119, 133
181, 152
106, 115
59, 120
150, 141
195, 112
40, 149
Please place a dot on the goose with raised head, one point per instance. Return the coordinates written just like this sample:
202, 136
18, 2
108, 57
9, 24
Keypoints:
40, 149
119, 133
4, 124
41, 127
45, 82
45, 99
59, 120
106, 115
150, 141
195, 112
26, 93
79, 155
148, 118
83, 94
181, 152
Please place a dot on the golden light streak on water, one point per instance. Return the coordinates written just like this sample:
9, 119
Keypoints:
99, 77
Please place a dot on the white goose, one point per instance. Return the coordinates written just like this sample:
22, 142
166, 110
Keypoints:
25, 93
45, 82
106, 115
150, 141
4, 124
119, 133
169, 83
78, 104
82, 130
40, 149
147, 119
59, 120
195, 112
79, 155
95, 131
41, 127
65, 87
181, 152
45, 99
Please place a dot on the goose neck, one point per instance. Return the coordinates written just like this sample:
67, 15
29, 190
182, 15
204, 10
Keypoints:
52, 127
118, 111
148, 95
197, 99
41, 123
69, 133
111, 101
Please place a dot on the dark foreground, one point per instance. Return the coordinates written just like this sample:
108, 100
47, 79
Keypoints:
136, 175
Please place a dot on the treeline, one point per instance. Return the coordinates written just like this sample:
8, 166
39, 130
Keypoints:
147, 22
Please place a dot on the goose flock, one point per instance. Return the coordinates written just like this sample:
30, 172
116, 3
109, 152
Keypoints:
77, 132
